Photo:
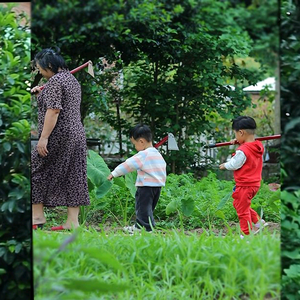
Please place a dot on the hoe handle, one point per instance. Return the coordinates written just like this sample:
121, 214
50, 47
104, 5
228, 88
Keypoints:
263, 138
73, 71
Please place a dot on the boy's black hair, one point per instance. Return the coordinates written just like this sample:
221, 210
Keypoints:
141, 131
244, 122
50, 59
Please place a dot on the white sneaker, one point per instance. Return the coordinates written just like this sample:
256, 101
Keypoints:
131, 229
134, 229
260, 225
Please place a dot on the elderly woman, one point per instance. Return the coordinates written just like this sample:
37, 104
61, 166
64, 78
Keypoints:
58, 163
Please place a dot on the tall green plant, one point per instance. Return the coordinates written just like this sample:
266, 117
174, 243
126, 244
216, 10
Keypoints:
15, 206
98, 185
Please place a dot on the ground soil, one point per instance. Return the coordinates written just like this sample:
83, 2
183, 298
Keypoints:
57, 216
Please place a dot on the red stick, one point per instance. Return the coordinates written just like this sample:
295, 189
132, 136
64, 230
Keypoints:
264, 138
74, 71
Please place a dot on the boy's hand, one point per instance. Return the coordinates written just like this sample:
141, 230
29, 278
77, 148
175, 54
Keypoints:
234, 141
222, 167
110, 177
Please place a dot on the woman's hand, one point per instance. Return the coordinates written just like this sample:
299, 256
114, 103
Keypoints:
110, 177
36, 90
42, 147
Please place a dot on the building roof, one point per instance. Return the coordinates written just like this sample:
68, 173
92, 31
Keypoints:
268, 82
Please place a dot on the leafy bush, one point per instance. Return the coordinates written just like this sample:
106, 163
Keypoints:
15, 206
290, 149
290, 215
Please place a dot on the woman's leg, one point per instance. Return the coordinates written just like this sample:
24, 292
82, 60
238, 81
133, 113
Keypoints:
38, 216
72, 218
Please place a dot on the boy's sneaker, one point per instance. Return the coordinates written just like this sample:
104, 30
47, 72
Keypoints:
131, 229
260, 225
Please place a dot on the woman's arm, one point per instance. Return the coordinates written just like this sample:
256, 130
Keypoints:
49, 124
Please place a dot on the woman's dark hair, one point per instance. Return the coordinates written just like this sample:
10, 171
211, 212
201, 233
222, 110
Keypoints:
50, 59
244, 122
141, 131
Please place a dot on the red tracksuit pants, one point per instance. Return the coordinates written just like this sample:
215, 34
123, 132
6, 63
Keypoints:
242, 201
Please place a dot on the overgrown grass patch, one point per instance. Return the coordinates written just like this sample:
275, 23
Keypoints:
184, 201
169, 265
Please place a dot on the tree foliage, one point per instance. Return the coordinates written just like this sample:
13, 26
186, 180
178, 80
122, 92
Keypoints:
290, 149
169, 63
15, 206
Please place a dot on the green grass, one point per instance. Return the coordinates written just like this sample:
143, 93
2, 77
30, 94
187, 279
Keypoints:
167, 266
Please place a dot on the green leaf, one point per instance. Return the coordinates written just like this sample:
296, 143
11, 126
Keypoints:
187, 206
119, 181
21, 147
7, 146
97, 172
102, 190
172, 207
293, 272
2, 271
292, 124
16, 194
220, 214
11, 206
295, 254
224, 200
104, 257
130, 179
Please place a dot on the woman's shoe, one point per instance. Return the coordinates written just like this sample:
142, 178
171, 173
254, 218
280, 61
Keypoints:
58, 228
36, 226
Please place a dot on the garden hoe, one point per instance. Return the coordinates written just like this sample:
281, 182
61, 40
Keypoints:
172, 145
88, 64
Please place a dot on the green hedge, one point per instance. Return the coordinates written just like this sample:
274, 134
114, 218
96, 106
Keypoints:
15, 207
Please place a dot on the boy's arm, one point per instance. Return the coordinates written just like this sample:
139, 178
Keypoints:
236, 162
131, 164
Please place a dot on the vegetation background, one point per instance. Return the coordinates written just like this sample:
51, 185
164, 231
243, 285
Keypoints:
290, 149
169, 64
153, 73
15, 112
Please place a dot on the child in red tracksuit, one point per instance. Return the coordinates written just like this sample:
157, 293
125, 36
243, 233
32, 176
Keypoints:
247, 165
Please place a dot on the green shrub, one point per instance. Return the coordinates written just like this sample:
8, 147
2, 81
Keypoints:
290, 148
15, 206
